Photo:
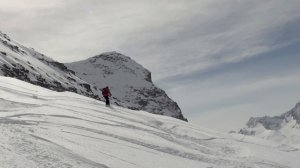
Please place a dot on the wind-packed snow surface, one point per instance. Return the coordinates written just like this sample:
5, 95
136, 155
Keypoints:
46, 129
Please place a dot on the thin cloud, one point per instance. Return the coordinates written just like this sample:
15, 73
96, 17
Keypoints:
200, 34
237, 32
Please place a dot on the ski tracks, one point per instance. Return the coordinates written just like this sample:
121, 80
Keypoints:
23, 149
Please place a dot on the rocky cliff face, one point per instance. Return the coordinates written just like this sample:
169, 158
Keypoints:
130, 83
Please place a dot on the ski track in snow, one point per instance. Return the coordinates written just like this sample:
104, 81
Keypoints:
42, 128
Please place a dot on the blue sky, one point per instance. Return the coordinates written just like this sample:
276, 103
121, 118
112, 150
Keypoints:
221, 60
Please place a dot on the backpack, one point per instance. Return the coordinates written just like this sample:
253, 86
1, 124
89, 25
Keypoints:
103, 91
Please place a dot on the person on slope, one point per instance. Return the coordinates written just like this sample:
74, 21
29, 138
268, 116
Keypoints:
106, 94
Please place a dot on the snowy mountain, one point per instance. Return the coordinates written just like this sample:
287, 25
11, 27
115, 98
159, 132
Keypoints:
46, 129
284, 128
130, 83
28, 65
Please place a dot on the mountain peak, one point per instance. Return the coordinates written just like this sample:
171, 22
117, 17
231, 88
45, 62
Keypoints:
112, 56
294, 113
130, 83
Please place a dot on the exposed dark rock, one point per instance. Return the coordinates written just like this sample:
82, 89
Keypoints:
3, 53
247, 132
148, 77
86, 86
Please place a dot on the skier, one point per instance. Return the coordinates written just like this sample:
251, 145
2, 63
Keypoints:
106, 94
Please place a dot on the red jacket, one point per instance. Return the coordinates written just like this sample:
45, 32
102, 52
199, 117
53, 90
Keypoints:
106, 92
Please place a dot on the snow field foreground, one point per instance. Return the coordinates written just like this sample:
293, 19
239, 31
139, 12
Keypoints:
40, 128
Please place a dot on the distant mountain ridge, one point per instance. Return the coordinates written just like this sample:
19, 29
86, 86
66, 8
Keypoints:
139, 93
282, 128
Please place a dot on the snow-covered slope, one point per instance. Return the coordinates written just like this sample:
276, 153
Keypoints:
284, 128
46, 129
28, 65
130, 83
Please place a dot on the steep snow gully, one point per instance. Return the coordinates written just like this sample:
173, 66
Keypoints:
42, 128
